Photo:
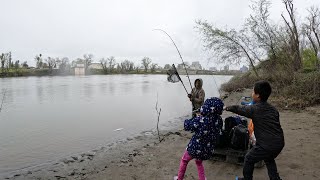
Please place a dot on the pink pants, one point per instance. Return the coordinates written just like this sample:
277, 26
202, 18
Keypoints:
183, 166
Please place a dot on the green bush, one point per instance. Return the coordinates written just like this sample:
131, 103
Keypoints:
309, 60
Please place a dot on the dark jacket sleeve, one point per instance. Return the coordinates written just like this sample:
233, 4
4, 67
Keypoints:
246, 111
192, 124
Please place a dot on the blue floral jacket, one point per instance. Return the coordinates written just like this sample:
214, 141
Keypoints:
206, 128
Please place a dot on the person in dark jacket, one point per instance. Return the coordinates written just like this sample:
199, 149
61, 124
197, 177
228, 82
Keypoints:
267, 130
206, 126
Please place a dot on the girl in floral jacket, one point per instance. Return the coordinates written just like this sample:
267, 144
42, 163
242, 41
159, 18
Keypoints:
206, 127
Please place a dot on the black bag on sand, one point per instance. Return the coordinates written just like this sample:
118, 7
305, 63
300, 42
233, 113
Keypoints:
239, 137
231, 122
222, 140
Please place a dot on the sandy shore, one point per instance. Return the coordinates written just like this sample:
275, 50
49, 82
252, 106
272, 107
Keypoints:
143, 157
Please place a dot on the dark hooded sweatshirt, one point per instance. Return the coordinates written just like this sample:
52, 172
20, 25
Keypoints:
198, 95
267, 128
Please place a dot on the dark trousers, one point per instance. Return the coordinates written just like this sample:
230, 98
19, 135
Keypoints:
256, 154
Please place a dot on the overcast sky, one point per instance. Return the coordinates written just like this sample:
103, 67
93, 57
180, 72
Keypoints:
120, 28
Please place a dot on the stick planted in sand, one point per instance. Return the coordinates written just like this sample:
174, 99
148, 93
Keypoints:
158, 113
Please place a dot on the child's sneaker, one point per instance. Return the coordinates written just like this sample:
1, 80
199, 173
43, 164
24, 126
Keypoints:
238, 178
175, 178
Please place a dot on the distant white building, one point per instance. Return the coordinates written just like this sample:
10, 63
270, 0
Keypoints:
196, 65
79, 69
214, 69
244, 69
181, 66
95, 66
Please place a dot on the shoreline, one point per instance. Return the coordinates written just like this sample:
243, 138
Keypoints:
143, 157
133, 142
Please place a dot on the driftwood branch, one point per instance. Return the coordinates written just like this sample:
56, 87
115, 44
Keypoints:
158, 114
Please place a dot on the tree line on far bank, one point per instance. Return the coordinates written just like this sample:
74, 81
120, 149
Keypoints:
63, 66
57, 65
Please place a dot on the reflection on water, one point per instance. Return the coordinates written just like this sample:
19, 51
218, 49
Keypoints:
145, 87
103, 87
46, 118
111, 85
87, 91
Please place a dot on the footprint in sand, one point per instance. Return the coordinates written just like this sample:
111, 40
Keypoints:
293, 166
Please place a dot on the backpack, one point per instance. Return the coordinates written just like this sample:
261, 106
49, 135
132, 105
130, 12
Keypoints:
239, 137
223, 140
231, 122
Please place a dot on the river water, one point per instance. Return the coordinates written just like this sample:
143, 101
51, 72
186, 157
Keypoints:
46, 118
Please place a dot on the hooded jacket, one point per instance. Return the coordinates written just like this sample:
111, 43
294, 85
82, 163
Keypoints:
197, 95
206, 128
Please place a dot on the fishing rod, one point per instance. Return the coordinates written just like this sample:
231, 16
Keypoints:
214, 79
176, 72
178, 52
193, 107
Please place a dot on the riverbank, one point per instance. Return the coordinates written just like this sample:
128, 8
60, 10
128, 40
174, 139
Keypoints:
143, 157
24, 72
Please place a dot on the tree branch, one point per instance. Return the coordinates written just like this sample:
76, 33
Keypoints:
158, 114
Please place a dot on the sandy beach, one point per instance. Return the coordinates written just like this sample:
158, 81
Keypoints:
143, 157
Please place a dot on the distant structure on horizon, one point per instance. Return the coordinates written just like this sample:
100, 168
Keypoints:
214, 69
196, 65
244, 69
226, 68
95, 66
79, 69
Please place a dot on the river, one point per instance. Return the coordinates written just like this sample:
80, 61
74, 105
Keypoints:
46, 118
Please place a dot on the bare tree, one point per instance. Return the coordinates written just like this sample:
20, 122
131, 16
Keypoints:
6, 62
17, 65
3, 61
112, 63
153, 67
131, 66
25, 64
51, 62
124, 66
63, 64
314, 21
259, 24
87, 59
294, 35
145, 63
306, 30
10, 63
167, 66
104, 63
137, 68
229, 45
38, 60
311, 29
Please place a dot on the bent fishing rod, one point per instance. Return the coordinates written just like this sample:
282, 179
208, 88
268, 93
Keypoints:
182, 63
178, 53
